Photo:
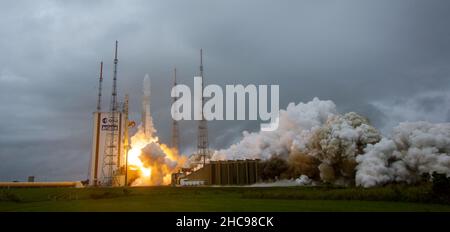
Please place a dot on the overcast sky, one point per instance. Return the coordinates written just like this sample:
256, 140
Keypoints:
388, 60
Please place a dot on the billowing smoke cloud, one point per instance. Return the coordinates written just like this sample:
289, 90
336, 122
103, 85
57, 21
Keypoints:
152, 162
319, 143
415, 148
152, 155
336, 144
296, 123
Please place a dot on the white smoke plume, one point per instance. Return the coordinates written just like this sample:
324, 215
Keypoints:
336, 144
303, 180
296, 123
415, 148
318, 142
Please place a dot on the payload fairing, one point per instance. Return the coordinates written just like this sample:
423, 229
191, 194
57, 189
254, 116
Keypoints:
147, 122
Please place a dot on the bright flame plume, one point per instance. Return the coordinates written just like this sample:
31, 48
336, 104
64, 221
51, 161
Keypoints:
152, 162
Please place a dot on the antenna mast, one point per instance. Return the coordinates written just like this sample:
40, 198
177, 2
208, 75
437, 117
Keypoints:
202, 144
125, 139
175, 130
112, 143
114, 90
100, 81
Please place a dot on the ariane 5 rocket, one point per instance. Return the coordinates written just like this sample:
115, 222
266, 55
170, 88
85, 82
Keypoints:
147, 122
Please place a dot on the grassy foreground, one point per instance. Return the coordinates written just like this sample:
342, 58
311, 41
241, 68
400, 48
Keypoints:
217, 199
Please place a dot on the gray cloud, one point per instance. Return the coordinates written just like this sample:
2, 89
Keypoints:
367, 56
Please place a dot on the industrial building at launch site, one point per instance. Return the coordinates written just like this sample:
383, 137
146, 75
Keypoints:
110, 146
227, 172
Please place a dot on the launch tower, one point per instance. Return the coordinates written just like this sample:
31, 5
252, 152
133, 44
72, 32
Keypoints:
202, 141
175, 130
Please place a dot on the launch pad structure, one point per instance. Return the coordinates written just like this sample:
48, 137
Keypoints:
110, 144
175, 129
202, 140
110, 138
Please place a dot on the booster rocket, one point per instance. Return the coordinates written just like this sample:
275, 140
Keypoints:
147, 122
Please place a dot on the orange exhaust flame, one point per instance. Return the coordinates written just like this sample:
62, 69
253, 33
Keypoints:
152, 171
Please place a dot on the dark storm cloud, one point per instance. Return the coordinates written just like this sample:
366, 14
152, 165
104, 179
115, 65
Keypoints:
367, 56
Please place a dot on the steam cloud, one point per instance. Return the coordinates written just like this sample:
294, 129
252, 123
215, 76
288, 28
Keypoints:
318, 143
415, 148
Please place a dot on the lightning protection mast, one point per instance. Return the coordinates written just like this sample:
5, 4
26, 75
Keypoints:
112, 149
202, 141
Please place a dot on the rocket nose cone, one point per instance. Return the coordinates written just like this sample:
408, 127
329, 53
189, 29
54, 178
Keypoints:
146, 85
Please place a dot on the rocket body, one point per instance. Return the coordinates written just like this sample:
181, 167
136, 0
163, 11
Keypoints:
147, 122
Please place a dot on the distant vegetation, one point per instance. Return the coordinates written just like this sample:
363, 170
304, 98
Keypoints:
441, 188
7, 195
397, 193
425, 196
424, 191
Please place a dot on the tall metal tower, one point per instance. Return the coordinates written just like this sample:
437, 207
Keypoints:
100, 81
126, 145
114, 90
202, 145
94, 180
175, 130
112, 140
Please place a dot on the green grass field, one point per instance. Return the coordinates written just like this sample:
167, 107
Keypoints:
216, 199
